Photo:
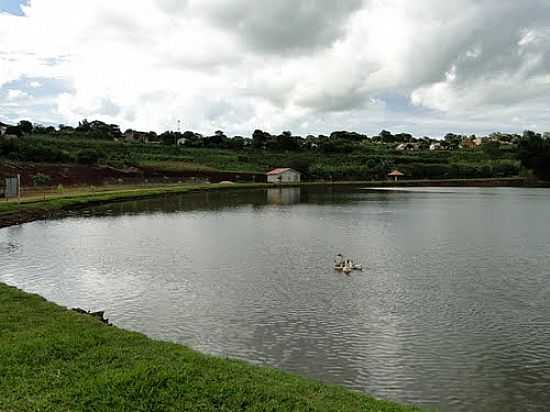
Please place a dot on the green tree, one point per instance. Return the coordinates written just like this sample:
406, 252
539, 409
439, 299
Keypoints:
25, 126
386, 136
534, 154
14, 130
88, 157
260, 139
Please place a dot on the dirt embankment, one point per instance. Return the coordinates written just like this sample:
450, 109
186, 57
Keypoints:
30, 215
82, 175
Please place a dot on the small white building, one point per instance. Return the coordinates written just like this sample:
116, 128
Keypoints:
406, 147
133, 136
3, 128
284, 175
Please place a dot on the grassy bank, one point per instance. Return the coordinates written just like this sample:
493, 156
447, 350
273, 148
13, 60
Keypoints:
33, 208
55, 359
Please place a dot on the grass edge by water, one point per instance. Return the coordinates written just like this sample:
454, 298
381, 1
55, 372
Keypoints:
52, 358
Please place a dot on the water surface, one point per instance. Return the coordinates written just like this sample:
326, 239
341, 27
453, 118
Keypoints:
453, 311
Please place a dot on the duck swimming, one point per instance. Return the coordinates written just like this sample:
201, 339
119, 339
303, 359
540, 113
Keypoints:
342, 264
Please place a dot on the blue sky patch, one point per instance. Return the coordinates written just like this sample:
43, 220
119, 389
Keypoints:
32, 98
37, 86
12, 6
399, 103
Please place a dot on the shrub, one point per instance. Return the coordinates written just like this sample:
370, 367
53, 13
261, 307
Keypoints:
88, 157
40, 180
301, 165
29, 151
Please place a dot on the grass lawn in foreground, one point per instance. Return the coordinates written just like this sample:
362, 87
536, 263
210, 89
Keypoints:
54, 359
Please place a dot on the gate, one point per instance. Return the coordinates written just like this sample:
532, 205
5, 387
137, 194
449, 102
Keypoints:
13, 187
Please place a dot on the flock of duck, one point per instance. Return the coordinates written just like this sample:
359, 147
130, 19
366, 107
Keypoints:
341, 264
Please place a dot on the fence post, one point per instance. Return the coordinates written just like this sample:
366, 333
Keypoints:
18, 188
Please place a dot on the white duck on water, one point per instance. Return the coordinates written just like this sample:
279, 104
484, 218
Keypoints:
342, 264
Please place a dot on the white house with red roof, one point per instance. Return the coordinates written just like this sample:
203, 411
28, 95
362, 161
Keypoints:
284, 175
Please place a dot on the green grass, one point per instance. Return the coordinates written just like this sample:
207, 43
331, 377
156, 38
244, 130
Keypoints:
53, 359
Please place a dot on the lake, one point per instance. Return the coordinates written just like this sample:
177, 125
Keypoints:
451, 312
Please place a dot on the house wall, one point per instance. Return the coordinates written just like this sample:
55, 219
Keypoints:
286, 177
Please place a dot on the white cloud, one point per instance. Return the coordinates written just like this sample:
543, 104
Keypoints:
14, 94
307, 66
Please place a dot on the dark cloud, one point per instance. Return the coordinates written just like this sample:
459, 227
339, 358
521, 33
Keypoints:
280, 26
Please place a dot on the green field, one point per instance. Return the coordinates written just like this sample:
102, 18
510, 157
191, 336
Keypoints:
53, 359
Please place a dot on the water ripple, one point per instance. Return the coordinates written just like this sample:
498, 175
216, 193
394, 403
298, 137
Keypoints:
452, 311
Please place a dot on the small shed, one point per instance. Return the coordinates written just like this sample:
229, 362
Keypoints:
12, 187
3, 128
284, 175
396, 174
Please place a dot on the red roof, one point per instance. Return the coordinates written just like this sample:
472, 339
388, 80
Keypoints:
278, 171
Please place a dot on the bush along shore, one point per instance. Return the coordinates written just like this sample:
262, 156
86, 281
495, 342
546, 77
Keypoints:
55, 359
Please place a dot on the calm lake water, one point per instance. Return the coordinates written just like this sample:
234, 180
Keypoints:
452, 312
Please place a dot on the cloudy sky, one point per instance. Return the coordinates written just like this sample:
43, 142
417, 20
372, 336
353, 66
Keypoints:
310, 66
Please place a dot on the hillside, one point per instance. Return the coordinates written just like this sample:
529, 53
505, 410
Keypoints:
356, 160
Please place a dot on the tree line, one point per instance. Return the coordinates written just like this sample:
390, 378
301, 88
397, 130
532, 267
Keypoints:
531, 148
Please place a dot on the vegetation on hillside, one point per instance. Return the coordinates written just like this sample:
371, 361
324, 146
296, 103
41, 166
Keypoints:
341, 156
534, 153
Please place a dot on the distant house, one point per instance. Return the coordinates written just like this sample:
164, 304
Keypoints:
132, 136
284, 175
3, 128
436, 146
182, 141
403, 147
471, 143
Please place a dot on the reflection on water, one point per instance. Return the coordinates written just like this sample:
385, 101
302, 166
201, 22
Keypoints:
283, 196
452, 311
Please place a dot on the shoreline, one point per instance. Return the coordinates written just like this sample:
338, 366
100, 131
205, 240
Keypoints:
53, 358
13, 213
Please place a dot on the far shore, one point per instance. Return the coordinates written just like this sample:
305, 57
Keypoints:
46, 203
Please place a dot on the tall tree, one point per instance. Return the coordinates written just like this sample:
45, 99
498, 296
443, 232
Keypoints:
25, 126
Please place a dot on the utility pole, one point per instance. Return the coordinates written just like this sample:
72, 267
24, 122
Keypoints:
178, 134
